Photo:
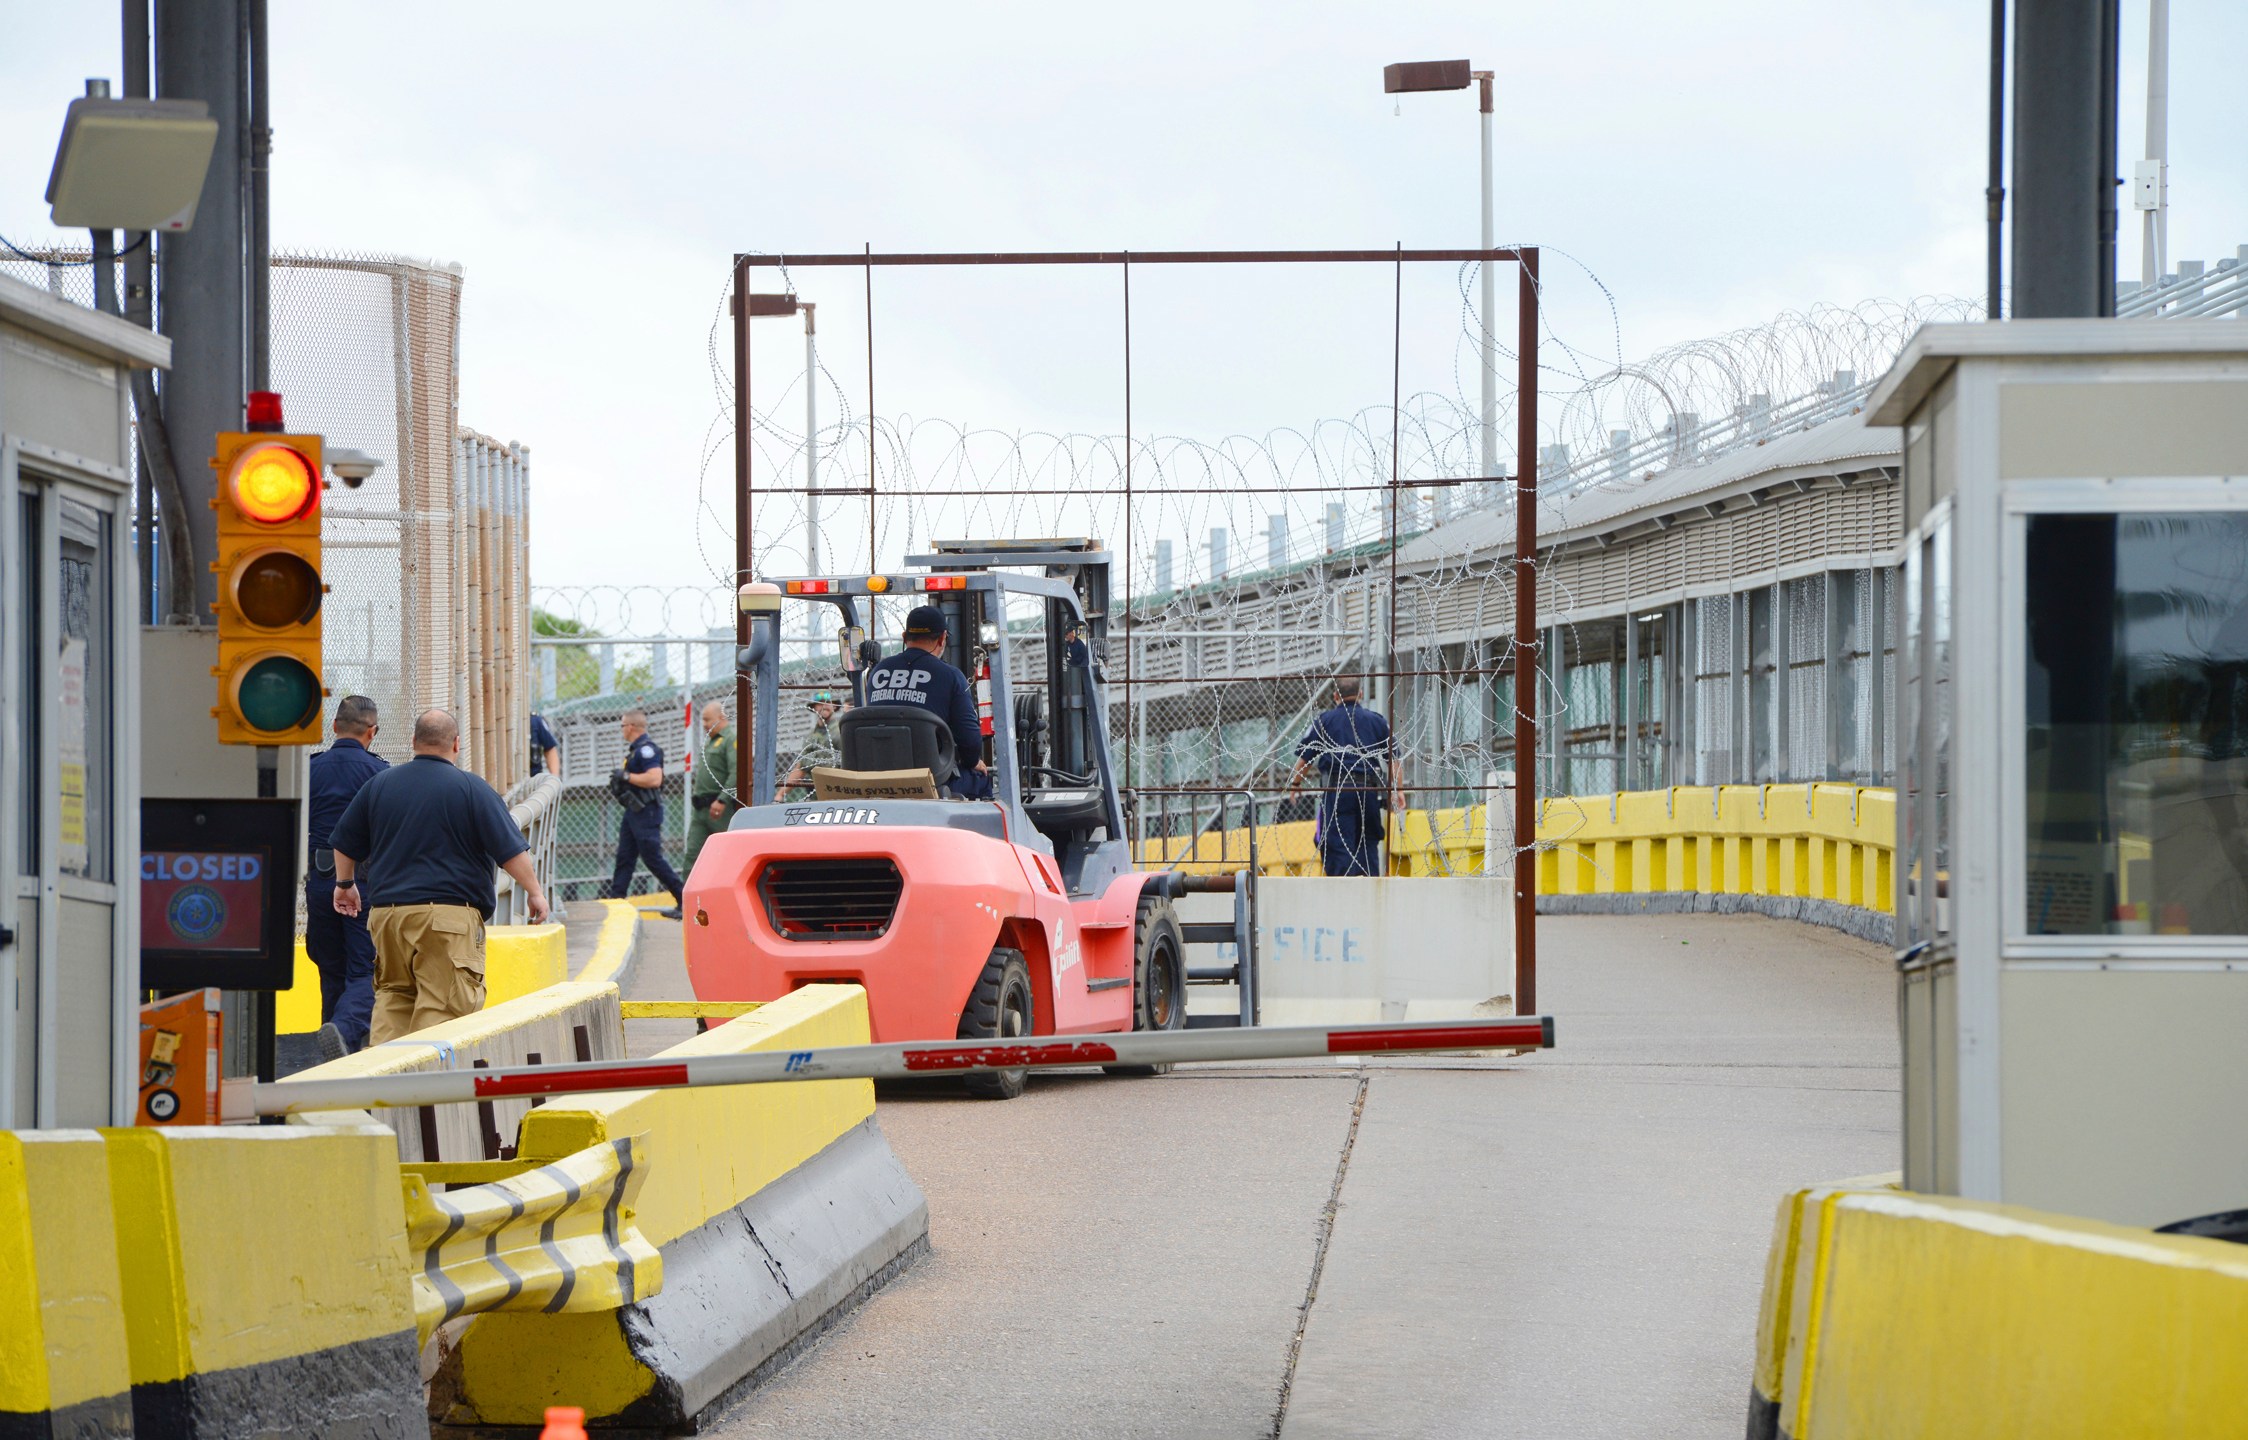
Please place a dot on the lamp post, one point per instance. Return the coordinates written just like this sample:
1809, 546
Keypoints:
746, 307
1419, 75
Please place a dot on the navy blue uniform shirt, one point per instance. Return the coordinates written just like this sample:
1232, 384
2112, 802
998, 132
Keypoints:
915, 677
1349, 744
641, 755
542, 740
429, 834
337, 774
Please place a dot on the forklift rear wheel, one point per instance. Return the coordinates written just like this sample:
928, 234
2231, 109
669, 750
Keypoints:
1158, 977
998, 1009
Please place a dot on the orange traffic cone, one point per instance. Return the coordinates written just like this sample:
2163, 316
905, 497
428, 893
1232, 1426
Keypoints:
563, 1422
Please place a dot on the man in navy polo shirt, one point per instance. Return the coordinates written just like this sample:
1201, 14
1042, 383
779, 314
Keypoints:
431, 834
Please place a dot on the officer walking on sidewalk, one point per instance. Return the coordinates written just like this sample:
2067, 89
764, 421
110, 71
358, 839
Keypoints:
638, 787
337, 943
710, 789
430, 835
1349, 745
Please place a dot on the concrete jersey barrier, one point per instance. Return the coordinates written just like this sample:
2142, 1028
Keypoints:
1896, 1315
63, 1362
577, 1019
775, 1209
1823, 853
264, 1278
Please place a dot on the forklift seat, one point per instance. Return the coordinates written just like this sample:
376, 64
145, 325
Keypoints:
899, 737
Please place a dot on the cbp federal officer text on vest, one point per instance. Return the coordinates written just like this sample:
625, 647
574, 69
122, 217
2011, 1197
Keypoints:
920, 675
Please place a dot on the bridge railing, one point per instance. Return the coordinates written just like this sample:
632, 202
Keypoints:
535, 805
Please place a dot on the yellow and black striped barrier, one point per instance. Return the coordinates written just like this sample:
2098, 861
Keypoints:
557, 1238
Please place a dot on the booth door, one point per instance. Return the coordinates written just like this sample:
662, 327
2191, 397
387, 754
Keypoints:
66, 975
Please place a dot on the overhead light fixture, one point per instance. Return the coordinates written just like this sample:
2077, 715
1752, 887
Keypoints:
1416, 75
131, 164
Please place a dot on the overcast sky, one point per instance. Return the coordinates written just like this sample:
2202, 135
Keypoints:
592, 168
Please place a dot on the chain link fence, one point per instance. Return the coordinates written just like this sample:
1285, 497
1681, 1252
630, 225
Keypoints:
426, 560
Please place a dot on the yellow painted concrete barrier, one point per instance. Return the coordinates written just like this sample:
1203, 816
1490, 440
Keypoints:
63, 1367
549, 1026
561, 1237
518, 959
1834, 844
775, 1207
265, 1279
1919, 1316
1807, 842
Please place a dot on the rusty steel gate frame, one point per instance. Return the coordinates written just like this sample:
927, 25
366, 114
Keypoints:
1527, 655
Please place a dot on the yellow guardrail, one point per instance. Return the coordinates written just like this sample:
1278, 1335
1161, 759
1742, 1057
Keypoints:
1894, 1315
1811, 842
559, 1238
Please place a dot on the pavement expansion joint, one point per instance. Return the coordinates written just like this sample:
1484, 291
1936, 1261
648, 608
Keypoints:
1319, 1253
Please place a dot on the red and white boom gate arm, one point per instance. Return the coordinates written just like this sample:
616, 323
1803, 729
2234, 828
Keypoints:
910, 1060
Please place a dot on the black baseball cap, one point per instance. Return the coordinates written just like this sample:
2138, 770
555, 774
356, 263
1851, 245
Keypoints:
924, 621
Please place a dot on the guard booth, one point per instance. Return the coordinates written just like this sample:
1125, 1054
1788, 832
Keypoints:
69, 709
2072, 875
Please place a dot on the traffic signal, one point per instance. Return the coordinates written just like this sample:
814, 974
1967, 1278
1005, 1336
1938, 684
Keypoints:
269, 582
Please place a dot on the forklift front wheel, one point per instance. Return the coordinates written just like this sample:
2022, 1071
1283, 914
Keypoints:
1158, 977
999, 1010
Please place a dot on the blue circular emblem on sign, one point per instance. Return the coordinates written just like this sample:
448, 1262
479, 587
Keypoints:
197, 912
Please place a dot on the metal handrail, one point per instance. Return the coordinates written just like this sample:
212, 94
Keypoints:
535, 805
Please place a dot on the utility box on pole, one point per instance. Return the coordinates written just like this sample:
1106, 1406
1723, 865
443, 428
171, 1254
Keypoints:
2072, 861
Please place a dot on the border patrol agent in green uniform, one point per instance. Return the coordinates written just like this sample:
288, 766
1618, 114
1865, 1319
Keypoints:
821, 747
710, 789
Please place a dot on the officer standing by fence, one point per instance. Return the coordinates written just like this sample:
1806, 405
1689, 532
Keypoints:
339, 944
1349, 745
638, 787
710, 786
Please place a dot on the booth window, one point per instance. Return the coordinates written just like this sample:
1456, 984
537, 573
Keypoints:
83, 710
2136, 700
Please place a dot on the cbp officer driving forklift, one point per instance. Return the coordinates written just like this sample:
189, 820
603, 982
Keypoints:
920, 675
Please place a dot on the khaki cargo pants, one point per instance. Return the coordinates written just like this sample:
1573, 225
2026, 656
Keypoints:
429, 966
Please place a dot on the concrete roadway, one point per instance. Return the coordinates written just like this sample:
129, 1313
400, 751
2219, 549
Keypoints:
1555, 1245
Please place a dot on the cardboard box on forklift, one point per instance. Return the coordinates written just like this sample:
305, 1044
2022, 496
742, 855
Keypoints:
829, 783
